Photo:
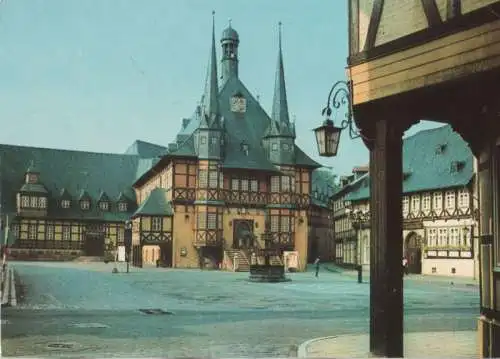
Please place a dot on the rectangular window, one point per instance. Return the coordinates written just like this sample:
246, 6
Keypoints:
120, 235
466, 235
285, 184
285, 224
122, 207
244, 185
85, 204
406, 204
454, 239
156, 224
42, 202
202, 220
426, 202
437, 201
25, 201
443, 237
235, 184
221, 180
66, 233
65, 203
104, 206
275, 184
33, 202
49, 232
463, 198
203, 179
32, 228
213, 180
212, 221
432, 237
450, 200
415, 203
275, 223
254, 186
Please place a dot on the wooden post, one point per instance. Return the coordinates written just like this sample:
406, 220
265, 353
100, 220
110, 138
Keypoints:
386, 271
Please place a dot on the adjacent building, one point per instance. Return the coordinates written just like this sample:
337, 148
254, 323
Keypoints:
439, 208
233, 182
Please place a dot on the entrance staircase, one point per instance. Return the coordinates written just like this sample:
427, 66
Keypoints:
241, 259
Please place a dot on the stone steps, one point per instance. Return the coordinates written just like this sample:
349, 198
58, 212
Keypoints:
242, 264
88, 259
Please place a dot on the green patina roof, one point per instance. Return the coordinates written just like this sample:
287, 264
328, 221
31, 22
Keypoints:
65, 175
156, 204
33, 188
104, 197
145, 149
11, 239
323, 186
428, 158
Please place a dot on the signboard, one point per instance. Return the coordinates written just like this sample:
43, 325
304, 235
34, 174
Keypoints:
291, 259
121, 253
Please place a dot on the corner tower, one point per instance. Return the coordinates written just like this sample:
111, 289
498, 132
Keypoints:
229, 62
279, 138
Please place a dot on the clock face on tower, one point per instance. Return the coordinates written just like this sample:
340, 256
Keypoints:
238, 104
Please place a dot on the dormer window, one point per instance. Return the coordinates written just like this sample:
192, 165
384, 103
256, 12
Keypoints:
104, 206
65, 203
457, 166
274, 147
32, 178
42, 202
33, 202
85, 204
285, 147
25, 201
244, 148
122, 206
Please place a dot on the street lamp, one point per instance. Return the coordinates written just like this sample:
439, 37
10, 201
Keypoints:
128, 241
328, 135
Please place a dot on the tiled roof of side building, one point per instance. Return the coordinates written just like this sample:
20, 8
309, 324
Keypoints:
145, 149
67, 174
432, 159
156, 204
323, 186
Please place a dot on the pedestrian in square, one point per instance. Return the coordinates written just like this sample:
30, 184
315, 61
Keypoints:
405, 265
316, 263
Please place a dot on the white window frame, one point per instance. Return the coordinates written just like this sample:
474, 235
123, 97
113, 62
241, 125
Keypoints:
406, 204
32, 231
443, 237
25, 201
275, 184
211, 220
122, 206
244, 185
254, 185
432, 237
463, 198
203, 178
286, 184
213, 179
85, 204
33, 202
426, 202
437, 201
66, 233
450, 200
42, 202
104, 205
454, 237
235, 184
285, 224
65, 203
49, 232
415, 204
275, 223
156, 224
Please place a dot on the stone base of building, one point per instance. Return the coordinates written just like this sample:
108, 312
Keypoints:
44, 254
449, 267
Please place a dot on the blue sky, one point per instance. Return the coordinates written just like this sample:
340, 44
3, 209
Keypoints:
95, 75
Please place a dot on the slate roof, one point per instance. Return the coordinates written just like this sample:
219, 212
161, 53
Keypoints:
428, 163
145, 149
69, 175
156, 204
323, 186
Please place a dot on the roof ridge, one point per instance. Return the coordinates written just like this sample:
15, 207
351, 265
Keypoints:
66, 150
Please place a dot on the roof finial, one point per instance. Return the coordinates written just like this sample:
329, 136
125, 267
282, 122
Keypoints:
279, 33
230, 21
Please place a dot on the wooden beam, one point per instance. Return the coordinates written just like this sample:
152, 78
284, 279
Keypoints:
371, 35
386, 249
431, 12
453, 9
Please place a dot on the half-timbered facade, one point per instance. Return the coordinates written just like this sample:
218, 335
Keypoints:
235, 173
439, 209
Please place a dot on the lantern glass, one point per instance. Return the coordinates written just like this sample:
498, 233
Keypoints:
327, 139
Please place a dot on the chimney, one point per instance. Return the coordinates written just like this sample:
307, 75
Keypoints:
185, 122
172, 147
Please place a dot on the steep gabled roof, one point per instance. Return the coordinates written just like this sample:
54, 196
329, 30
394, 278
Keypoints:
65, 173
428, 163
145, 149
156, 204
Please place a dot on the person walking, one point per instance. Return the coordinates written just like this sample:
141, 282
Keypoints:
316, 263
405, 265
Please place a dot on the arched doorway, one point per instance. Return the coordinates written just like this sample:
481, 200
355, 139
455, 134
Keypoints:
413, 252
243, 237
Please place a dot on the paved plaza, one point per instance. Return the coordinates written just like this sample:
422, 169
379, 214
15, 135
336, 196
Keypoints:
83, 309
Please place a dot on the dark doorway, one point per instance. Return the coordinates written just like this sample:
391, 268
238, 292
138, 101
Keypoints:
243, 237
413, 253
166, 254
94, 245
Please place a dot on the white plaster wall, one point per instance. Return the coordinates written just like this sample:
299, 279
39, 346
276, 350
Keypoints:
463, 267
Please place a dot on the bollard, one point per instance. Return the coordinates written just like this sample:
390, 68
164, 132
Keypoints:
360, 273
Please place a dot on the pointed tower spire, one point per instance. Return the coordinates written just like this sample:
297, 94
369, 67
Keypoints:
210, 97
280, 103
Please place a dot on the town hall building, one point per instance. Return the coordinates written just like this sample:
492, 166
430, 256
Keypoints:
233, 182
